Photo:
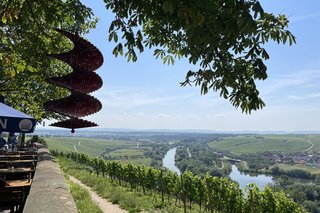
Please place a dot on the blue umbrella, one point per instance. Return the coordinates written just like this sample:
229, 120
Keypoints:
12, 120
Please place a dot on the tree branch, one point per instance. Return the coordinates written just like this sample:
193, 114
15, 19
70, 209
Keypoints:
34, 18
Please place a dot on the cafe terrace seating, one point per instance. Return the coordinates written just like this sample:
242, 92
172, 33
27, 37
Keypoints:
16, 174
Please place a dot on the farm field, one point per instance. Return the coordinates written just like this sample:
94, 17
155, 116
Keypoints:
131, 155
241, 144
287, 167
144, 161
91, 146
126, 153
315, 139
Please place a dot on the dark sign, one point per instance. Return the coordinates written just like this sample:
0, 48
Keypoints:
12, 120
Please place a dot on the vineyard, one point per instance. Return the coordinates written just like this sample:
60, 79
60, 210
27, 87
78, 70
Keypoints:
211, 194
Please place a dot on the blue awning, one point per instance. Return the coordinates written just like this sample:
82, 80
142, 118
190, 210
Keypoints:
12, 120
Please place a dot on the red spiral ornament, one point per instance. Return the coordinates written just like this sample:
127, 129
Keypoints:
84, 59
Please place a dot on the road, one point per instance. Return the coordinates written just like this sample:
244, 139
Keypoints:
75, 146
189, 152
307, 150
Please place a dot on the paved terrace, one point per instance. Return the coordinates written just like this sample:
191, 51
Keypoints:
49, 192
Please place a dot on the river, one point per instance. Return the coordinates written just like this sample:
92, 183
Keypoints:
168, 161
243, 179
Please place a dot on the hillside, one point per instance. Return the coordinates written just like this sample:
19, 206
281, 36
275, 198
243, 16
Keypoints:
153, 190
201, 153
242, 144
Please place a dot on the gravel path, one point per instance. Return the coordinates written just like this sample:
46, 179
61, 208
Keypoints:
105, 206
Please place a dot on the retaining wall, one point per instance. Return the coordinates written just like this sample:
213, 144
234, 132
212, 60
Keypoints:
49, 192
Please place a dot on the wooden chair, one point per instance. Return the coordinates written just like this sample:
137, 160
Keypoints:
12, 198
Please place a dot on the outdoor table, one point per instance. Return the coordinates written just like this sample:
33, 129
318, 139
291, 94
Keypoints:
4, 172
11, 153
15, 193
16, 161
9, 156
18, 157
19, 183
16, 170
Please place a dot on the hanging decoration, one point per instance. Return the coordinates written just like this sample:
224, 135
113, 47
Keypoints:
84, 59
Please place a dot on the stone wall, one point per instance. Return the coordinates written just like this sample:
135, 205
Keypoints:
49, 192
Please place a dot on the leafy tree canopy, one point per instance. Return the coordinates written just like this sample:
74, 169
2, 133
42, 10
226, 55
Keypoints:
225, 38
27, 35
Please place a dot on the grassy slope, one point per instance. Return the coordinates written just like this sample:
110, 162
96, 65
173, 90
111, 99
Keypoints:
253, 143
126, 152
94, 147
83, 199
285, 143
315, 139
131, 200
91, 146
132, 155
287, 167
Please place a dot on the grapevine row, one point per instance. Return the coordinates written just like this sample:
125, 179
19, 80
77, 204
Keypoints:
212, 194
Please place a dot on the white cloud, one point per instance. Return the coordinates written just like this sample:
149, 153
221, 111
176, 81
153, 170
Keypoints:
273, 117
163, 116
126, 99
302, 79
220, 116
306, 96
304, 17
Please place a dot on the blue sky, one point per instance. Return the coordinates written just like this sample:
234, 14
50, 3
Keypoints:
147, 94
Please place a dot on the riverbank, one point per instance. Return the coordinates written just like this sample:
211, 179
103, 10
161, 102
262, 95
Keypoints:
243, 179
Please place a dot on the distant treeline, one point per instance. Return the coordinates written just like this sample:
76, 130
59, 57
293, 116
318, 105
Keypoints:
295, 173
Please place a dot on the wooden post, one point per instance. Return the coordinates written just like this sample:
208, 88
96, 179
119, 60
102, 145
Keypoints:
23, 138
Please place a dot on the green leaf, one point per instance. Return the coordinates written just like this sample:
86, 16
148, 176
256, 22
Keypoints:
3, 19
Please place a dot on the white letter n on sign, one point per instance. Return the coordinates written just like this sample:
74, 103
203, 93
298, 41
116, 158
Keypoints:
3, 123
